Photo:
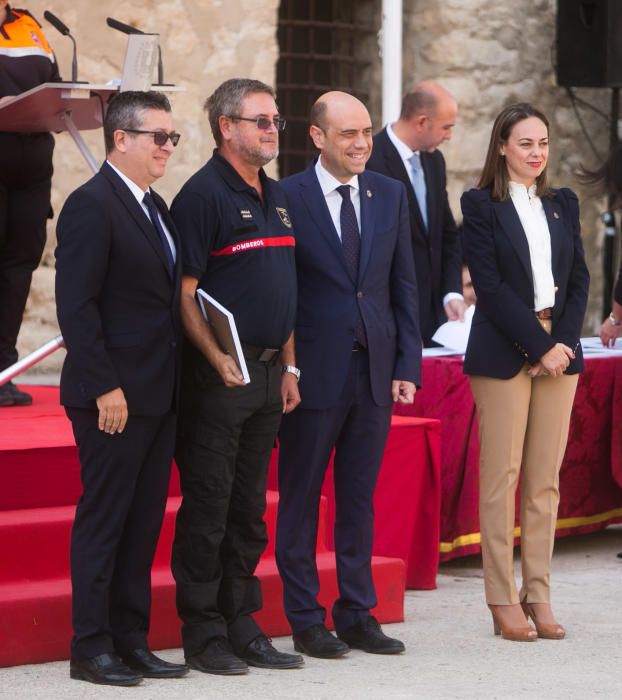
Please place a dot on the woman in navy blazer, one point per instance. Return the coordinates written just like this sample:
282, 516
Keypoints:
522, 243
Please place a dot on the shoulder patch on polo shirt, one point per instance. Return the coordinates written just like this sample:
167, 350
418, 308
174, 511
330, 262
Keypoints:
284, 216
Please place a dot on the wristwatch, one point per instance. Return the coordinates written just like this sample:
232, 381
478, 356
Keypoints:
613, 320
292, 370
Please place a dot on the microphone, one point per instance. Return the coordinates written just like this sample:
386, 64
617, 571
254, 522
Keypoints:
64, 30
128, 29
121, 27
56, 23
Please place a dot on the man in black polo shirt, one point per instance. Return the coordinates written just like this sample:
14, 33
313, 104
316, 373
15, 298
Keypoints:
237, 245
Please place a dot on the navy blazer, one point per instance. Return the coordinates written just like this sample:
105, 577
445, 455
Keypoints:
329, 299
117, 306
438, 252
505, 331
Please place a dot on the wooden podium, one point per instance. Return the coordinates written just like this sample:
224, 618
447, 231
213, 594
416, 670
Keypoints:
71, 107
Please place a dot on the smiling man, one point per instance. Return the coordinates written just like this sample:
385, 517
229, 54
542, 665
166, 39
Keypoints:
358, 348
117, 297
238, 246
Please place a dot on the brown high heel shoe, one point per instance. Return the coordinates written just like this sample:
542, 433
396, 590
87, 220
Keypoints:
512, 634
545, 630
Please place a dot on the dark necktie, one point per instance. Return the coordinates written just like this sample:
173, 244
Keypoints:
350, 236
155, 220
351, 245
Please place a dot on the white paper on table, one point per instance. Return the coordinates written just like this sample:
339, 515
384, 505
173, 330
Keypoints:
594, 347
455, 334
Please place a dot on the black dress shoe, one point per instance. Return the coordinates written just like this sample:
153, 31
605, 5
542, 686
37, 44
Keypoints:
150, 666
368, 636
10, 395
218, 658
105, 669
318, 641
262, 654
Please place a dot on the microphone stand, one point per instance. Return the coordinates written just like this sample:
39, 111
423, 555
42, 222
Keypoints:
64, 30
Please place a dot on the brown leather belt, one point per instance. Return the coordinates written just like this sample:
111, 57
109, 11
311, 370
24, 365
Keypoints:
544, 314
254, 352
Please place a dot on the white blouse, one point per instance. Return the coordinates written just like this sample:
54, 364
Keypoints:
533, 219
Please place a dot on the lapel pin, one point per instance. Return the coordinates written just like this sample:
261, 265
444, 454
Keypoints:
556, 215
369, 193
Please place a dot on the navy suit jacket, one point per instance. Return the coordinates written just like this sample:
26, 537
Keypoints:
117, 306
329, 299
438, 253
505, 332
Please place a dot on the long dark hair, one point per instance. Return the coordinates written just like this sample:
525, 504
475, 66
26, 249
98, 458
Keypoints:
495, 174
609, 176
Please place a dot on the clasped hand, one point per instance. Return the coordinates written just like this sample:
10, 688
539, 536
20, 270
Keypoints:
553, 363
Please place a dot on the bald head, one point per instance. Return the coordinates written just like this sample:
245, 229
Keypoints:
425, 98
341, 130
428, 115
331, 104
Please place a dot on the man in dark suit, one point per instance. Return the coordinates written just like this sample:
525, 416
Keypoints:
407, 151
117, 297
358, 349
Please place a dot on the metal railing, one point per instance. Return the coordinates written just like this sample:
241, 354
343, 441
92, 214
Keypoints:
31, 360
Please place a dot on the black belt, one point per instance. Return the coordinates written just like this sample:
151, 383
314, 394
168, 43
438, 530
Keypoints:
254, 352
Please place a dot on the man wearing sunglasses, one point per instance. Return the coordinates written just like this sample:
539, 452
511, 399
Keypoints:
238, 246
117, 295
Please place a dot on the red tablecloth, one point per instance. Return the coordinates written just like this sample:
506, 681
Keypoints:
591, 475
406, 501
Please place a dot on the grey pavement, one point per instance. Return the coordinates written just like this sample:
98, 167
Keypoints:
451, 651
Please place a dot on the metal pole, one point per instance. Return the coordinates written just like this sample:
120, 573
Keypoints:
32, 359
391, 59
79, 141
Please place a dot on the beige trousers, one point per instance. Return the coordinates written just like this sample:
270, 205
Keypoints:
522, 421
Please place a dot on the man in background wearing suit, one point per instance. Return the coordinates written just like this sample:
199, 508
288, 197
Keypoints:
407, 151
117, 297
358, 348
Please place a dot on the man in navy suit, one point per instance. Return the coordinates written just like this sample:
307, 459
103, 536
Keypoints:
117, 298
407, 151
359, 349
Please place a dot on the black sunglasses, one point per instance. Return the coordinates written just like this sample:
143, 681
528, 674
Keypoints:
159, 137
263, 122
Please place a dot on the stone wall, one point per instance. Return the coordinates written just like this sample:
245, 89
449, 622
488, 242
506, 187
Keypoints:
485, 52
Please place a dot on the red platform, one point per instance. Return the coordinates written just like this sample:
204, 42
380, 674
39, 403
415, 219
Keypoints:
40, 485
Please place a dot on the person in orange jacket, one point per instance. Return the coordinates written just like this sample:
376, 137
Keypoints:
26, 60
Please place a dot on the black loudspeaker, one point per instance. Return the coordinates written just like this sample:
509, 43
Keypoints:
589, 43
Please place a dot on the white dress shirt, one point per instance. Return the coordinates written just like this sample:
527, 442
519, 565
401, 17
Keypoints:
329, 185
533, 219
139, 194
406, 153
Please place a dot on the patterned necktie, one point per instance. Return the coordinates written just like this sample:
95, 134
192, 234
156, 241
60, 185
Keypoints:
351, 245
350, 236
155, 220
418, 181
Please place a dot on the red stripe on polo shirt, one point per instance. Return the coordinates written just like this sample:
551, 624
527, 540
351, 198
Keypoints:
244, 246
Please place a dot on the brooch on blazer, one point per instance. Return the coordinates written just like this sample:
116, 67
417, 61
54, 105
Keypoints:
368, 193
555, 215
